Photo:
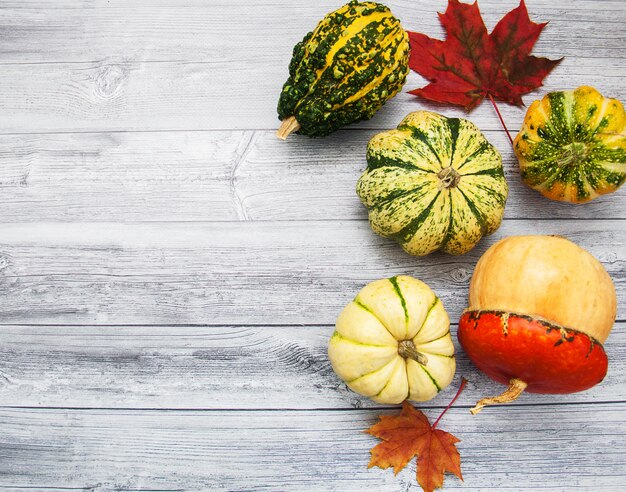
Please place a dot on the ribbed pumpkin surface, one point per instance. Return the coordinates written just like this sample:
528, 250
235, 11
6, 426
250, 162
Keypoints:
364, 350
572, 146
345, 70
433, 183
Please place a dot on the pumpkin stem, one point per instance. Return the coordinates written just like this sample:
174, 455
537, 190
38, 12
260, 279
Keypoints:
516, 388
572, 154
449, 177
408, 350
289, 125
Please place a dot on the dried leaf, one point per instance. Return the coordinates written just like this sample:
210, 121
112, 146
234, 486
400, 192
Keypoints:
472, 64
410, 434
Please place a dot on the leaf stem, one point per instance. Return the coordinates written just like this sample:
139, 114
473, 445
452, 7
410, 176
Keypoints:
495, 106
463, 383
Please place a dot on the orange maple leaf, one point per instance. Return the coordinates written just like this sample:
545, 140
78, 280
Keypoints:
410, 434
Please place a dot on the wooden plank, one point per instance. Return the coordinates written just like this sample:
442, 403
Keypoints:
129, 96
236, 272
79, 30
216, 176
190, 68
578, 447
217, 367
119, 176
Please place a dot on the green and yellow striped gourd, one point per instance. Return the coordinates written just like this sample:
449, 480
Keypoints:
344, 71
434, 183
572, 146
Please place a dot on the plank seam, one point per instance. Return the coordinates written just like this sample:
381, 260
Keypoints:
189, 325
298, 410
292, 221
199, 130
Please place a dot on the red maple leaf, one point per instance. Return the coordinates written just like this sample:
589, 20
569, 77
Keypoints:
410, 434
472, 64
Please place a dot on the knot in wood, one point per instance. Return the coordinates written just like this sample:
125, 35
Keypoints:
109, 79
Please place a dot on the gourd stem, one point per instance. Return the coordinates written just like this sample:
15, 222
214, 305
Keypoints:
407, 349
495, 106
516, 388
449, 177
289, 125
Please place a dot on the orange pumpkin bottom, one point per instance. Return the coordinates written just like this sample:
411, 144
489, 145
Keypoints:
547, 357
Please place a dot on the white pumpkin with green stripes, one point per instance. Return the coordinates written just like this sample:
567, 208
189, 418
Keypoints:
393, 343
434, 183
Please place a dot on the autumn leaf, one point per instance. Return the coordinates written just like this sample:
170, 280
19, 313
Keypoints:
410, 434
472, 64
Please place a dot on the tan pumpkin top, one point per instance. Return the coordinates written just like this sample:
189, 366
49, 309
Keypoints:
549, 277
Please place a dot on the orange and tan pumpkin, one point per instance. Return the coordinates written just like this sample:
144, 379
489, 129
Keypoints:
540, 308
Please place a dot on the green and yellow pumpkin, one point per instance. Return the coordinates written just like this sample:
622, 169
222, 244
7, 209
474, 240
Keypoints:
572, 145
344, 71
434, 183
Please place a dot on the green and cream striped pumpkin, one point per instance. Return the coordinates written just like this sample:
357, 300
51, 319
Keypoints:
344, 71
393, 342
572, 146
434, 183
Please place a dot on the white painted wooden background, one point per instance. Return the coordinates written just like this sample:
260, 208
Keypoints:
170, 272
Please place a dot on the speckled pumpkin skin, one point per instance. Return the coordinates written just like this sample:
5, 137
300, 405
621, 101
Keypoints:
434, 183
572, 145
344, 71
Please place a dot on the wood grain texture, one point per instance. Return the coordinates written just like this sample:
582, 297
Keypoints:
237, 272
77, 67
218, 367
197, 30
548, 448
215, 176
132, 96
